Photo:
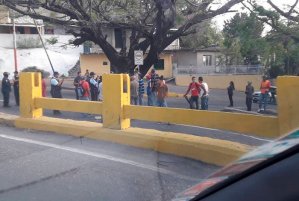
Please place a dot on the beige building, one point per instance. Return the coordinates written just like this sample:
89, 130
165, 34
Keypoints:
99, 63
96, 61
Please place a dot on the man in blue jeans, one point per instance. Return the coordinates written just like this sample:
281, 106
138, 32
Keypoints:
205, 95
265, 87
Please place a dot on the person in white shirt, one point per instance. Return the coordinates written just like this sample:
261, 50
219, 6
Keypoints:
100, 92
204, 97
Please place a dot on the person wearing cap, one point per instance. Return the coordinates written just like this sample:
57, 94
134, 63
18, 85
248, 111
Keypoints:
249, 95
6, 89
16, 87
265, 87
93, 87
56, 89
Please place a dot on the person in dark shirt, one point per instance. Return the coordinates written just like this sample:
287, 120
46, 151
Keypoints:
16, 87
154, 86
230, 92
249, 95
6, 89
56, 89
76, 84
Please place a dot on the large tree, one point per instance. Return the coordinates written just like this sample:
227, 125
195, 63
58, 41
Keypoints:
283, 39
206, 35
150, 23
244, 32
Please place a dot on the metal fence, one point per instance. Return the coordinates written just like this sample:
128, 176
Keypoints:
233, 70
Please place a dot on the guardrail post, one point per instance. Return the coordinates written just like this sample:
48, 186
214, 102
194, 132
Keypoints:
30, 88
116, 94
287, 107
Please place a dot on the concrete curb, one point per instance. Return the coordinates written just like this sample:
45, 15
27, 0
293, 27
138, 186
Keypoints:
213, 151
7, 119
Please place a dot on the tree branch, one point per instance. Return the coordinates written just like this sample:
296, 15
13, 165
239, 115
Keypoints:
285, 14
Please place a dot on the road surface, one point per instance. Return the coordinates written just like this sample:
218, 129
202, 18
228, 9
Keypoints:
46, 166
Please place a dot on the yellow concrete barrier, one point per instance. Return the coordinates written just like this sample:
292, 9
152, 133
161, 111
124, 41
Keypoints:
244, 123
30, 88
213, 151
288, 103
117, 113
89, 107
116, 93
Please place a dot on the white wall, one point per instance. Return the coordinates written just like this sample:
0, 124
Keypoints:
6, 40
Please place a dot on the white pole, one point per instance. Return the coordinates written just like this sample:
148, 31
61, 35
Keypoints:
15, 44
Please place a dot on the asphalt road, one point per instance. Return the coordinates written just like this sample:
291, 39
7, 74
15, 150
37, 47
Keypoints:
45, 166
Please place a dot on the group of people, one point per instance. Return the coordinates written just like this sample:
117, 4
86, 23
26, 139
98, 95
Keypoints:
156, 89
87, 87
6, 88
198, 89
249, 91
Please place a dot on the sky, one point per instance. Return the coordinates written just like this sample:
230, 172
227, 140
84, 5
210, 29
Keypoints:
219, 20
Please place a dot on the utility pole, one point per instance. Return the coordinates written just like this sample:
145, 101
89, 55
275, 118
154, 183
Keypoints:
42, 41
15, 44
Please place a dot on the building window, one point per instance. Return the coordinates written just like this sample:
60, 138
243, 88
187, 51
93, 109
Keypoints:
33, 31
49, 30
118, 36
207, 60
105, 63
20, 30
159, 65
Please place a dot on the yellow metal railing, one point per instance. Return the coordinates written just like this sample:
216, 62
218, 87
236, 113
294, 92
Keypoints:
117, 111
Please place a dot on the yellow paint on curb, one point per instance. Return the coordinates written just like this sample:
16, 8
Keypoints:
7, 119
213, 151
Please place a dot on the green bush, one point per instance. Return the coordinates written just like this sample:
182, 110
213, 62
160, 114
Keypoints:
29, 43
52, 40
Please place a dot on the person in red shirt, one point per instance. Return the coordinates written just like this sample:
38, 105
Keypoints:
194, 88
265, 87
86, 90
44, 86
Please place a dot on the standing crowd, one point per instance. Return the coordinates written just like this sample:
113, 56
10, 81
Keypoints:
89, 87
156, 89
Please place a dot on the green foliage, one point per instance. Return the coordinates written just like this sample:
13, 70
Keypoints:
243, 33
205, 36
283, 54
28, 43
52, 40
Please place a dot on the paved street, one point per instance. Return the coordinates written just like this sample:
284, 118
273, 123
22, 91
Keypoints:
45, 166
